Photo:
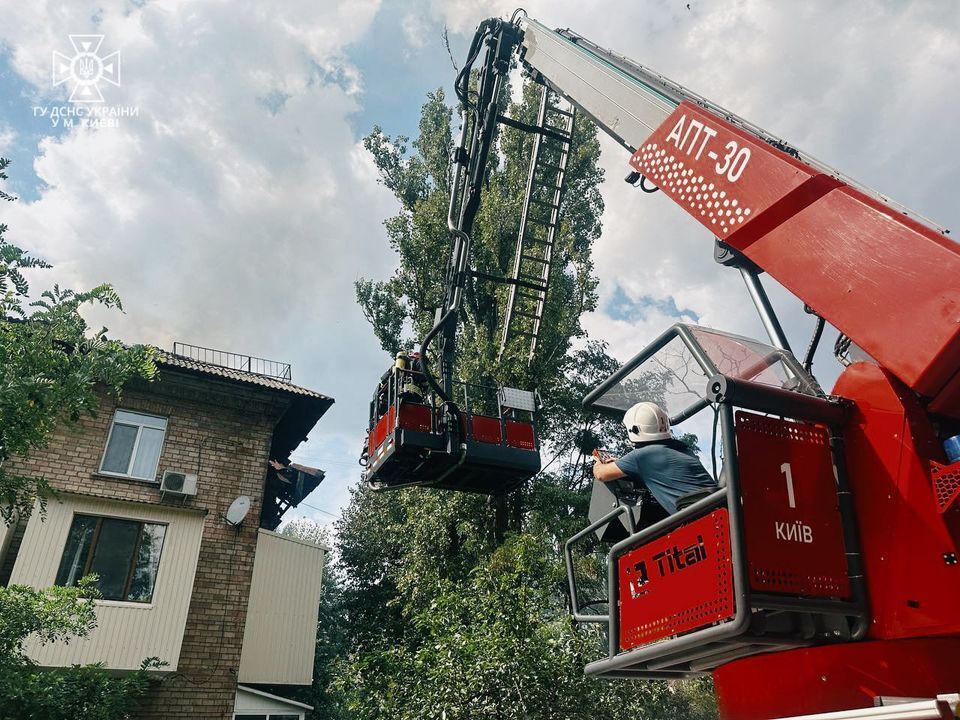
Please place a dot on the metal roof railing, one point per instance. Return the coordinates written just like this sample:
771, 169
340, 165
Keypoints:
234, 361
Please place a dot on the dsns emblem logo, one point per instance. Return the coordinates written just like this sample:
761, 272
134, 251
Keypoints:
86, 69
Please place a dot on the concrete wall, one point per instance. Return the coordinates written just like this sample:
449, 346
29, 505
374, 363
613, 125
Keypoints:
126, 632
281, 631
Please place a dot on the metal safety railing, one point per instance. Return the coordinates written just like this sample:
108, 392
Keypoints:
234, 361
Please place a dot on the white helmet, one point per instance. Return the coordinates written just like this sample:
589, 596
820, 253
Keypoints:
646, 421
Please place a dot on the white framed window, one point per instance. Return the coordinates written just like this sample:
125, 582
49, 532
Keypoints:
134, 445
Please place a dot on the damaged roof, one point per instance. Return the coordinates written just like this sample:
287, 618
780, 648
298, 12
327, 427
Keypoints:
305, 409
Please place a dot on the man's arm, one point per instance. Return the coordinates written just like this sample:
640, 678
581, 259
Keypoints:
606, 471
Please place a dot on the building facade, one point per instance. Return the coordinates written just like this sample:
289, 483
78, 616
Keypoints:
147, 498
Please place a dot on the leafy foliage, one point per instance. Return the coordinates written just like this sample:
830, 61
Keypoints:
419, 236
58, 614
50, 365
455, 604
4, 164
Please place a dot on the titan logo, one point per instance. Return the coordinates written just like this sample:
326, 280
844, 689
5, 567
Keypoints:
796, 531
669, 561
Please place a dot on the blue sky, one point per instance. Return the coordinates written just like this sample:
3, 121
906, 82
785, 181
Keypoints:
243, 173
16, 110
621, 306
397, 73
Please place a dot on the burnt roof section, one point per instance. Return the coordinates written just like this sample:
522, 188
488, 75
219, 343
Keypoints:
285, 489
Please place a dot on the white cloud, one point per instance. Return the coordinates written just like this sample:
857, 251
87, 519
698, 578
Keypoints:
413, 27
221, 220
237, 210
7, 136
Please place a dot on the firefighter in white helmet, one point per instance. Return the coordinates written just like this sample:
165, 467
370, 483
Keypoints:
666, 466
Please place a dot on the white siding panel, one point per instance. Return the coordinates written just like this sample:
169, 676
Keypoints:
126, 633
281, 630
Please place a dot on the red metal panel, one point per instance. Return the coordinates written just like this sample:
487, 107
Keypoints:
679, 582
835, 677
520, 435
886, 281
380, 431
791, 517
384, 428
486, 429
414, 416
912, 585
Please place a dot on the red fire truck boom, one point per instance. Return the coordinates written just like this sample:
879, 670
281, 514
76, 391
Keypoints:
887, 279
824, 571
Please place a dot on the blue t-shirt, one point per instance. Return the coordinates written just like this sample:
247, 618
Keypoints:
669, 470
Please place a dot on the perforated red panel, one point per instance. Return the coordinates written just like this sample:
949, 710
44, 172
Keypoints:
415, 417
520, 435
946, 485
486, 429
791, 517
679, 582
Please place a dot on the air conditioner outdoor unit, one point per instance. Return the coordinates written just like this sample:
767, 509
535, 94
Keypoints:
178, 483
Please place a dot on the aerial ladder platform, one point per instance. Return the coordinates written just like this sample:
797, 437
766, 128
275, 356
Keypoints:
823, 573
539, 224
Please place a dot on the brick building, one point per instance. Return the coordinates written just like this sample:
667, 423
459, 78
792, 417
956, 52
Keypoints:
227, 606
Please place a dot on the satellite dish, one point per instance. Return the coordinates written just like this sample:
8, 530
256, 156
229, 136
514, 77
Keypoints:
237, 511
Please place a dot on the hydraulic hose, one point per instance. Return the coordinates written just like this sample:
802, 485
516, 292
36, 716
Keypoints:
452, 408
424, 363
814, 343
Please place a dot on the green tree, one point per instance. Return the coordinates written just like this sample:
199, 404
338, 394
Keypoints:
50, 366
447, 616
59, 614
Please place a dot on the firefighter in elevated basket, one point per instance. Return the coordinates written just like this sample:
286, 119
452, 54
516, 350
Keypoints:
667, 467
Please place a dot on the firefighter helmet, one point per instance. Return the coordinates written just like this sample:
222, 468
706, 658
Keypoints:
646, 421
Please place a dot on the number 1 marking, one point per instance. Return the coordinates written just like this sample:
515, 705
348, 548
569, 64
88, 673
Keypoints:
791, 500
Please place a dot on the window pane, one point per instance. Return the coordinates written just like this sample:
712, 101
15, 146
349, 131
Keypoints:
132, 418
148, 560
76, 551
117, 457
113, 555
249, 717
148, 453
